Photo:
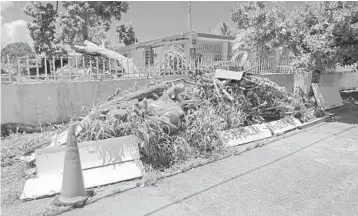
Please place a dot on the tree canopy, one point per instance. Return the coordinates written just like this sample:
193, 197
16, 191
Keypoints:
126, 34
223, 28
319, 34
42, 29
15, 50
81, 20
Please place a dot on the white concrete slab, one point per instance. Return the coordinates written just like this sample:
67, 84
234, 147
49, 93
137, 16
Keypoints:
239, 136
230, 75
50, 161
284, 125
61, 139
51, 185
327, 95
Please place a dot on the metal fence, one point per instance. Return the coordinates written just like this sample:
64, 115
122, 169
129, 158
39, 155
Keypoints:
41, 69
344, 68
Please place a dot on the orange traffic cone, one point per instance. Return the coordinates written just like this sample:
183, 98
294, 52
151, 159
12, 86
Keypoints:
73, 191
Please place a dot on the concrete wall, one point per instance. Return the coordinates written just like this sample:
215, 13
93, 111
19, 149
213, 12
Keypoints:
343, 81
43, 103
284, 80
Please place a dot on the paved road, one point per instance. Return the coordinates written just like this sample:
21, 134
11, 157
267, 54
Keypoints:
312, 173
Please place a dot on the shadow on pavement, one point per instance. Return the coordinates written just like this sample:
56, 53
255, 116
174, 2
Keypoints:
348, 113
245, 173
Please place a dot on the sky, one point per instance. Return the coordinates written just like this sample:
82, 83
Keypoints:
151, 20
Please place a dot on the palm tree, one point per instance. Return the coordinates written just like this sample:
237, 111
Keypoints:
224, 29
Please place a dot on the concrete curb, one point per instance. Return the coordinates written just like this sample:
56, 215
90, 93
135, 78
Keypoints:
314, 122
249, 146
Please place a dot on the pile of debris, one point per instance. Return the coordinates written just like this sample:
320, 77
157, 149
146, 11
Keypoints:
70, 72
181, 115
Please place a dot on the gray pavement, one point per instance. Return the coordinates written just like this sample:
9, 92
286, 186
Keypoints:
314, 172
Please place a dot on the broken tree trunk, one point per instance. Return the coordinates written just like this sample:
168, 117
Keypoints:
121, 61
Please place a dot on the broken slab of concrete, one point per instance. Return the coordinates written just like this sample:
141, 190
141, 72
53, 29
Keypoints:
228, 75
243, 135
103, 162
50, 185
284, 125
61, 139
327, 96
50, 161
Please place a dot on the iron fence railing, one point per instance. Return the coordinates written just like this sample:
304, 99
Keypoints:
40, 69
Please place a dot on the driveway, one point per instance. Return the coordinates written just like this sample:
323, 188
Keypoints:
314, 172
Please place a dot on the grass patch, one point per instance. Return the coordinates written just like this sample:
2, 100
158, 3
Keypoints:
13, 170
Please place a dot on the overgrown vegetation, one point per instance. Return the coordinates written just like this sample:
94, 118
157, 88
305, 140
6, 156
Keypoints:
13, 174
318, 34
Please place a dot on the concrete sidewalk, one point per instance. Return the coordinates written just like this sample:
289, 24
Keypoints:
314, 172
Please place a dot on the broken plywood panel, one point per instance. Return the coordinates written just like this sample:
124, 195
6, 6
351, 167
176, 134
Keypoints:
243, 135
51, 185
327, 96
283, 125
229, 75
50, 161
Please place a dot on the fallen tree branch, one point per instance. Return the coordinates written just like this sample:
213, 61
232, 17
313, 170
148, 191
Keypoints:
231, 98
184, 80
94, 50
216, 88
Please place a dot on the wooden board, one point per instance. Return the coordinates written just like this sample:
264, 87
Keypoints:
229, 75
327, 96
50, 161
243, 135
283, 125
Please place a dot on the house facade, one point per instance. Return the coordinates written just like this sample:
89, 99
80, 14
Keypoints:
199, 45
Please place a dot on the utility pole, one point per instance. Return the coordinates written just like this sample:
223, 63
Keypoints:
189, 17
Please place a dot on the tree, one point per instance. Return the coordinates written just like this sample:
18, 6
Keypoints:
83, 18
224, 29
259, 29
81, 21
126, 34
15, 50
319, 35
42, 29
325, 34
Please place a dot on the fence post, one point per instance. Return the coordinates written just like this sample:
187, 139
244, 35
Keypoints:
104, 66
127, 66
138, 67
90, 68
54, 66
115, 64
9, 75
122, 67
18, 67
9, 62
133, 66
109, 66
97, 66
46, 66
37, 69
28, 66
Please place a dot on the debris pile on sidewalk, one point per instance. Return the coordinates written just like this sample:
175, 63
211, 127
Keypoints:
181, 116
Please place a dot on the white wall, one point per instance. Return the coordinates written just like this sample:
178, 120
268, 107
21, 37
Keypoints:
343, 81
